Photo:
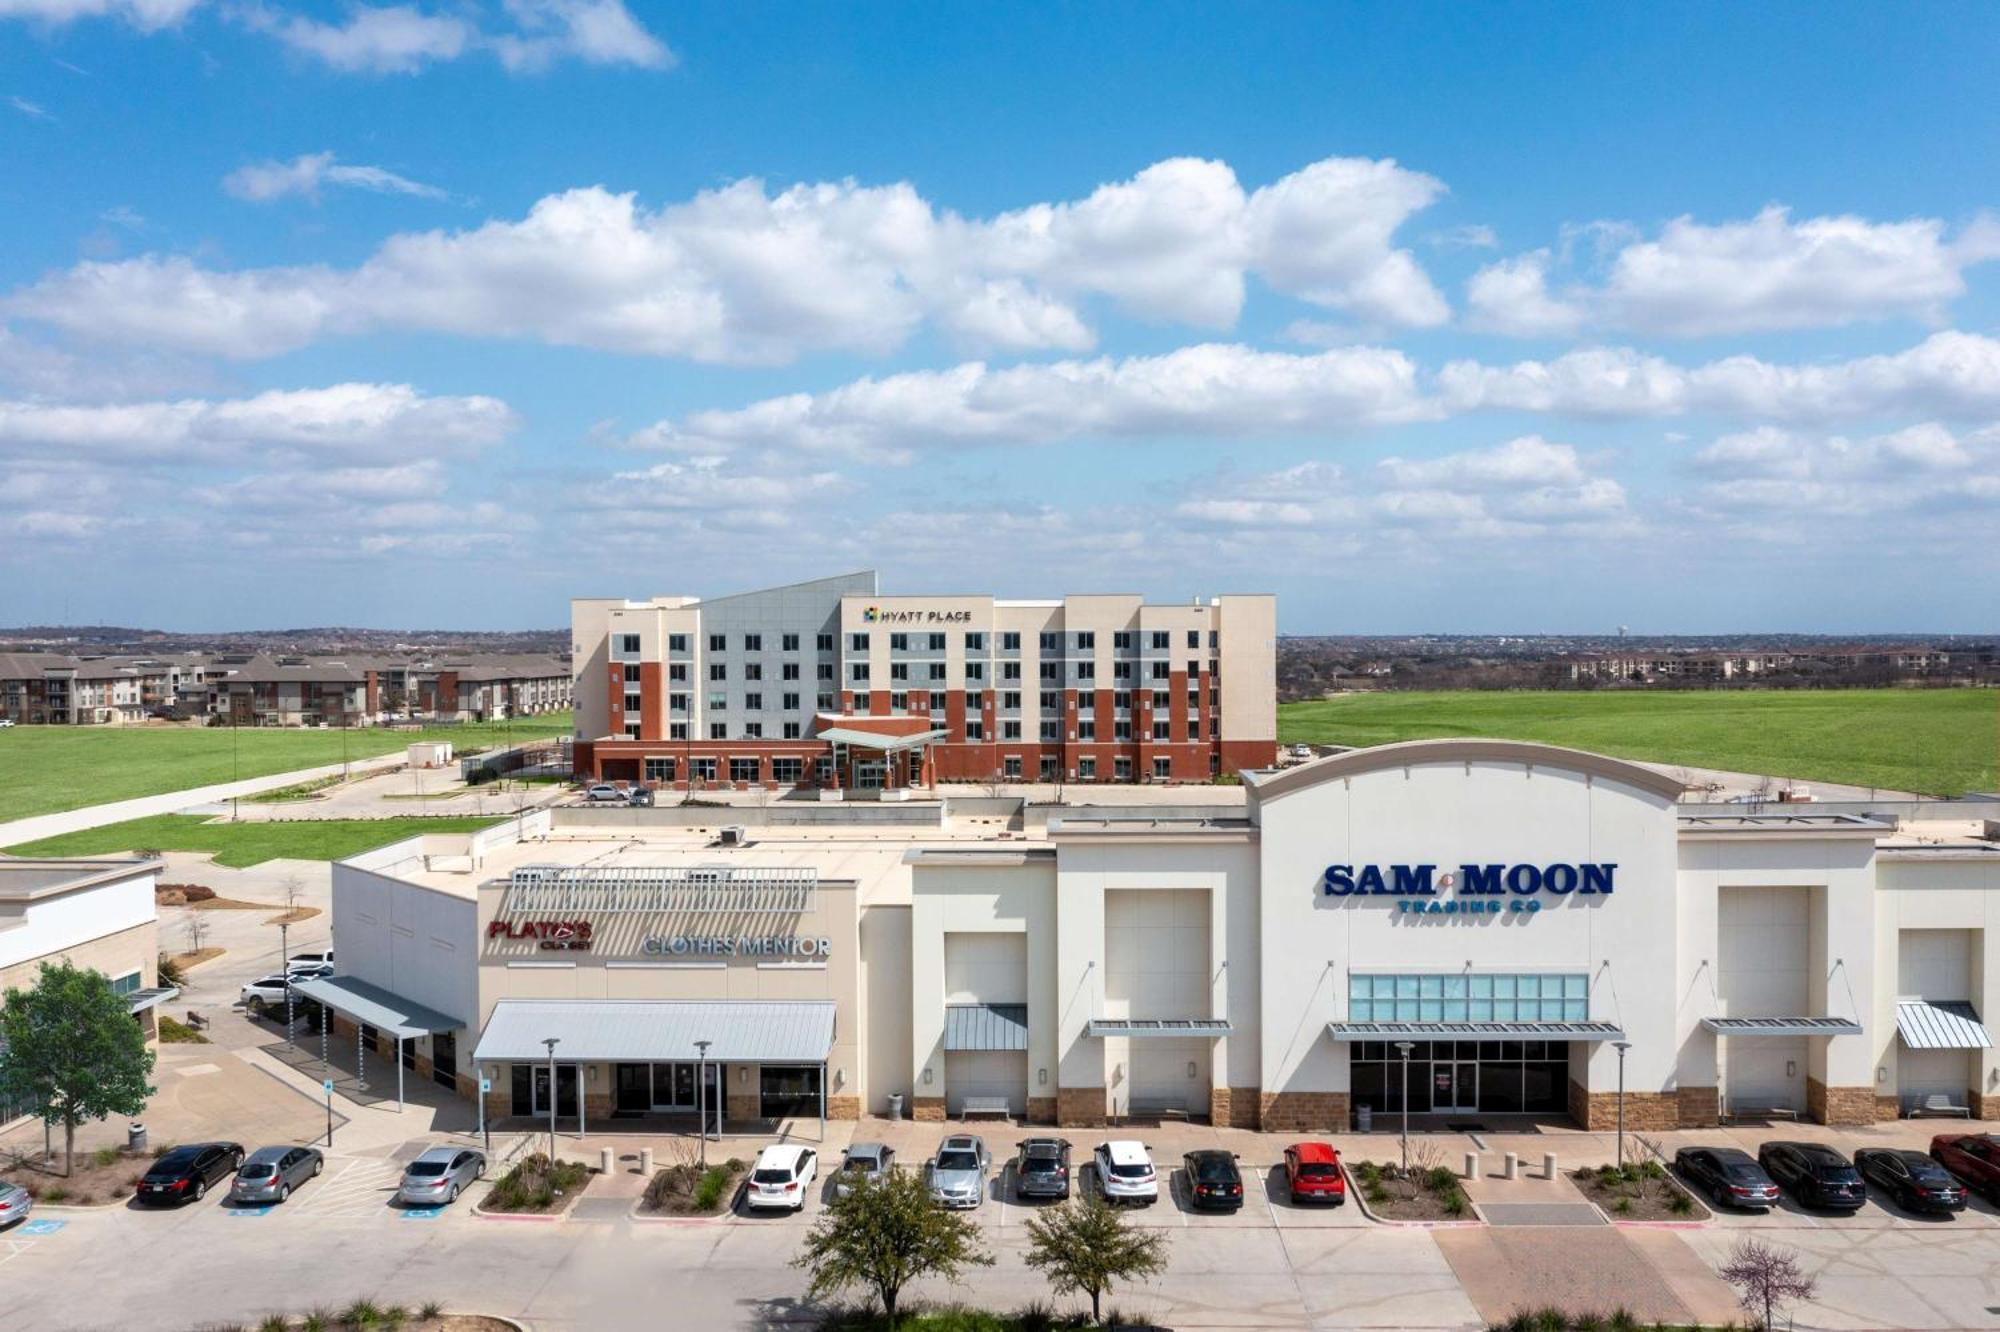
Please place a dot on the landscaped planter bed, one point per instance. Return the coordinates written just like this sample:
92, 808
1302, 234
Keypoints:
1424, 1193
1642, 1191
534, 1187
688, 1189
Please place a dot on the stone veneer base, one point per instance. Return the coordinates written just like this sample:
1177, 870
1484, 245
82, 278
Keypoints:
1080, 1107
927, 1109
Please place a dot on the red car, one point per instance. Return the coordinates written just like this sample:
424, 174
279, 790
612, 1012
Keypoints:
1312, 1173
1973, 1157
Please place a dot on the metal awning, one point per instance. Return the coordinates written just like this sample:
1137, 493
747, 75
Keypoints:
985, 1027
1932, 1024
888, 744
138, 1001
1475, 1031
767, 1031
376, 1007
1158, 1027
1782, 1026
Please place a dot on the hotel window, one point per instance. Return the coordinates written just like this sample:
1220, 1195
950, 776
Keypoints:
677, 731
1011, 765
1122, 769
899, 702
1194, 672
974, 700
718, 670
1122, 640
787, 770
753, 642
753, 670
1048, 767
789, 671
631, 672
1121, 730
659, 769
632, 731
824, 671
859, 670
1051, 670
899, 642
824, 642
718, 730
754, 702
1049, 702
825, 702
1161, 640
857, 642
1194, 638
744, 769
974, 670
1122, 701
1086, 729
937, 642
1010, 701
632, 702
1010, 670
789, 643
937, 701
937, 671
677, 642
1194, 730
1086, 701
1086, 670
1121, 670
823, 766
677, 673
702, 769
677, 702
717, 642
1010, 730
860, 708
1051, 642
1212, 636
753, 730
1160, 671
1194, 702
975, 729
975, 642
1160, 698
1162, 730
1086, 768
792, 732
1086, 640
899, 670
1163, 768
791, 703
628, 644
1010, 642
1050, 732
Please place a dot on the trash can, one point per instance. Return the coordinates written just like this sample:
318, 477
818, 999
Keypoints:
1364, 1118
135, 1137
895, 1105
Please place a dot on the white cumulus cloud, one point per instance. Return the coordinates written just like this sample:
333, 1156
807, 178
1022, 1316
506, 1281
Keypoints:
145, 15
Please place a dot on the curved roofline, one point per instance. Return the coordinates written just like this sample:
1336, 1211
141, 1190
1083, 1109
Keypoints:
1378, 758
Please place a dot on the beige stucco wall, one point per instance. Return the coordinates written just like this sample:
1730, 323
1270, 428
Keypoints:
120, 954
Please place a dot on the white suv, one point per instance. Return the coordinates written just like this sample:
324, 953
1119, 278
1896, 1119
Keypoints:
783, 1175
1125, 1173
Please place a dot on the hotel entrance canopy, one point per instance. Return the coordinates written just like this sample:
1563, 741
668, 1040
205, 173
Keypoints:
888, 744
1475, 1031
745, 1031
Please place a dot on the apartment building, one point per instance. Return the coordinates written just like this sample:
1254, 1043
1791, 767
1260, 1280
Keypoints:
288, 691
491, 688
831, 684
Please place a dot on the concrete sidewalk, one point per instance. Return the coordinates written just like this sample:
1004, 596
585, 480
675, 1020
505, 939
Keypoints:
172, 802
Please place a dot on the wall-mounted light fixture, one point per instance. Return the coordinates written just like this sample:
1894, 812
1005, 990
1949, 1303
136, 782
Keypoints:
1190, 1068
1881, 1073
927, 1077
1791, 1068
1041, 1077
742, 1074
840, 1077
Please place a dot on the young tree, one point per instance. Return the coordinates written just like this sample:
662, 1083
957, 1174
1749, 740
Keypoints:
883, 1236
1766, 1279
197, 930
1084, 1246
74, 1050
292, 887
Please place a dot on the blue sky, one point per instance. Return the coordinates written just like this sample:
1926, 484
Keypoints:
1425, 318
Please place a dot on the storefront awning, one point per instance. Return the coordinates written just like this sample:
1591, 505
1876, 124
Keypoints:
1143, 1027
985, 1027
1926, 1024
376, 1007
1782, 1026
1475, 1031
761, 1031
140, 1000
888, 744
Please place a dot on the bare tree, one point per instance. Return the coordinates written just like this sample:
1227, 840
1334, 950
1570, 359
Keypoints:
291, 888
197, 930
1766, 1279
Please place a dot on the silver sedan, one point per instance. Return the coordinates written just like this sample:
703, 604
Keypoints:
269, 1174
437, 1177
15, 1204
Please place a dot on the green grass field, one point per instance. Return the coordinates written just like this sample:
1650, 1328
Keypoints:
45, 769
1933, 741
241, 844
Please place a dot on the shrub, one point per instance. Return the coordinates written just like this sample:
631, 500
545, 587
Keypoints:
361, 1313
1652, 1170
104, 1157
274, 1323
708, 1193
1623, 1206
430, 1310
1679, 1203
536, 1184
1440, 1179
175, 1032
314, 1321
1376, 1194
1456, 1203
55, 1195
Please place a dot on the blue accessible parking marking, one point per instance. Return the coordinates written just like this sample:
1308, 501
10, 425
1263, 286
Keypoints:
41, 1227
421, 1213
264, 1210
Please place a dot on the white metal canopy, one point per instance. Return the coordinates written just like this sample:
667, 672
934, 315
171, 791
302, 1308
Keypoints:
1158, 1027
1475, 1031
1930, 1024
766, 1031
888, 744
373, 1006
1782, 1026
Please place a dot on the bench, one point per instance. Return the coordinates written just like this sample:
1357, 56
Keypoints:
196, 1020
1937, 1105
1144, 1107
1738, 1112
985, 1105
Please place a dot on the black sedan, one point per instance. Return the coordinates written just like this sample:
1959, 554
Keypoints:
1914, 1180
1729, 1176
185, 1173
1213, 1180
1814, 1174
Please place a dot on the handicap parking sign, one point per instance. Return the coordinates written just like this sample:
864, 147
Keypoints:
250, 1211
42, 1227
421, 1213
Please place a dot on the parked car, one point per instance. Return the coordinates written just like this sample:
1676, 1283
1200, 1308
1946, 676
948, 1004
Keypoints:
6, 722
187, 1172
1729, 1176
268, 992
958, 1171
298, 971
320, 959
1312, 1173
15, 1204
1125, 1172
1814, 1174
1041, 1168
865, 1163
1974, 1158
603, 793
269, 1174
783, 1175
439, 1175
1213, 1180
1911, 1178
639, 796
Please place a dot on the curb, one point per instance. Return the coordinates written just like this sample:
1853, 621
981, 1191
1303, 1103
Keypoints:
1359, 1195
656, 1219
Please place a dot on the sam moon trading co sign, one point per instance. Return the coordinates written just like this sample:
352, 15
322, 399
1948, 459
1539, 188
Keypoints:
1474, 889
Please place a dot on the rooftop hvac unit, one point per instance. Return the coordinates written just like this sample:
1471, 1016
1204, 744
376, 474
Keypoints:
733, 835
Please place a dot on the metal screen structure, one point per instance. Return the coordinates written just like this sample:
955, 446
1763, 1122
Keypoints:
746, 890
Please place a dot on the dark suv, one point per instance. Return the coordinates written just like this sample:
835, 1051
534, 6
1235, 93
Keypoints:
1041, 1168
1814, 1174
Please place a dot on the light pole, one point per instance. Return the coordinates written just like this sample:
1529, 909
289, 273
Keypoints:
1621, 1047
285, 970
551, 1042
701, 1096
1403, 1048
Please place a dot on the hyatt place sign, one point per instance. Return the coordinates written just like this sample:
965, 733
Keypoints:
1475, 889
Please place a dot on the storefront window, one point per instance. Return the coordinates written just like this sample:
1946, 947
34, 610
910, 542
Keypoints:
1469, 998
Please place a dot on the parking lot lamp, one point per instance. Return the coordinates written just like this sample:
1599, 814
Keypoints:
701, 1097
1621, 1047
1403, 1048
551, 1042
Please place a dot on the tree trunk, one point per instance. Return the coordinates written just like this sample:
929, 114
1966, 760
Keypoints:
69, 1145
1095, 1295
889, 1305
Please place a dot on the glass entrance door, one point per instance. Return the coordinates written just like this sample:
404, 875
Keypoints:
673, 1088
1454, 1086
565, 1089
634, 1088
